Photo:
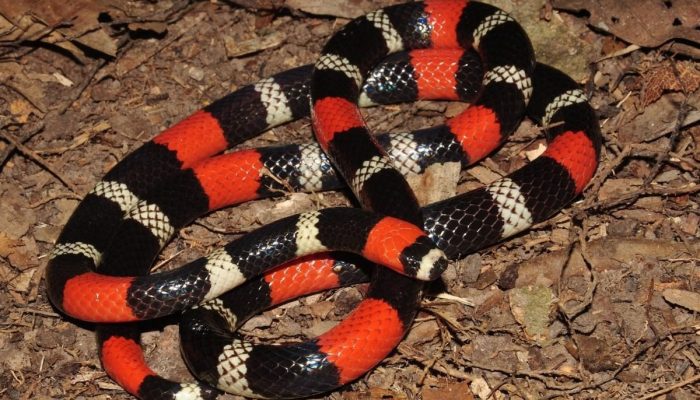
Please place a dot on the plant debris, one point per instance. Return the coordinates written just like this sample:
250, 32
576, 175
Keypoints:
601, 301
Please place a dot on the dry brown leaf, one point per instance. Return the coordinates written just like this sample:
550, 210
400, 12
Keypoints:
450, 391
604, 254
7, 244
484, 175
13, 75
422, 333
683, 298
647, 23
334, 8
438, 182
660, 118
614, 188
236, 48
21, 282
533, 308
75, 20
663, 79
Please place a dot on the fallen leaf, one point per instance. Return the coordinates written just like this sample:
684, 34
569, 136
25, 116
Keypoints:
333, 8
22, 281
663, 78
481, 388
438, 182
76, 20
536, 152
7, 244
484, 175
614, 188
660, 118
683, 298
533, 308
596, 355
650, 25
236, 48
422, 332
14, 76
450, 391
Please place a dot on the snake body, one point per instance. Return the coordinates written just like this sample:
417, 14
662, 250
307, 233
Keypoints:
96, 271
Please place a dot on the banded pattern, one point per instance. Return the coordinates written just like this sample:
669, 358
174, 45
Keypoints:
218, 118
459, 226
388, 241
149, 185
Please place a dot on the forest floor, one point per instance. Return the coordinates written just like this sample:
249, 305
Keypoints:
600, 302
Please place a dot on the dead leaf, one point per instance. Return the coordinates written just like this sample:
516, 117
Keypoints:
450, 391
659, 118
7, 244
481, 388
663, 78
533, 308
21, 282
647, 24
321, 309
605, 254
14, 76
422, 332
484, 175
683, 298
596, 355
614, 188
540, 148
154, 26
438, 182
15, 217
76, 20
133, 59
242, 48
334, 8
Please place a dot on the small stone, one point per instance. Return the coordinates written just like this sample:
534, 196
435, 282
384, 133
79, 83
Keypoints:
196, 73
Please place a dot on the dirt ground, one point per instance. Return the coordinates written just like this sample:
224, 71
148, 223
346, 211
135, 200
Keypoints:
600, 302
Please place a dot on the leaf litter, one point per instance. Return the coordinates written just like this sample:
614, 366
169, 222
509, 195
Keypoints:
599, 302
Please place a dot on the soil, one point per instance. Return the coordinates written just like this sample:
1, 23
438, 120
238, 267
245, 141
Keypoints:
602, 301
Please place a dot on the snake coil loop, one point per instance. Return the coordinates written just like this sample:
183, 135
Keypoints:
446, 49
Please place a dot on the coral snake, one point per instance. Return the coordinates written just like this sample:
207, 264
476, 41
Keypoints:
458, 50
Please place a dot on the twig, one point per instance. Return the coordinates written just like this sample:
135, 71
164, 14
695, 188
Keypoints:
543, 376
629, 49
35, 311
37, 159
49, 199
81, 88
38, 36
636, 194
26, 136
437, 365
622, 366
680, 384
221, 231
166, 261
14, 143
